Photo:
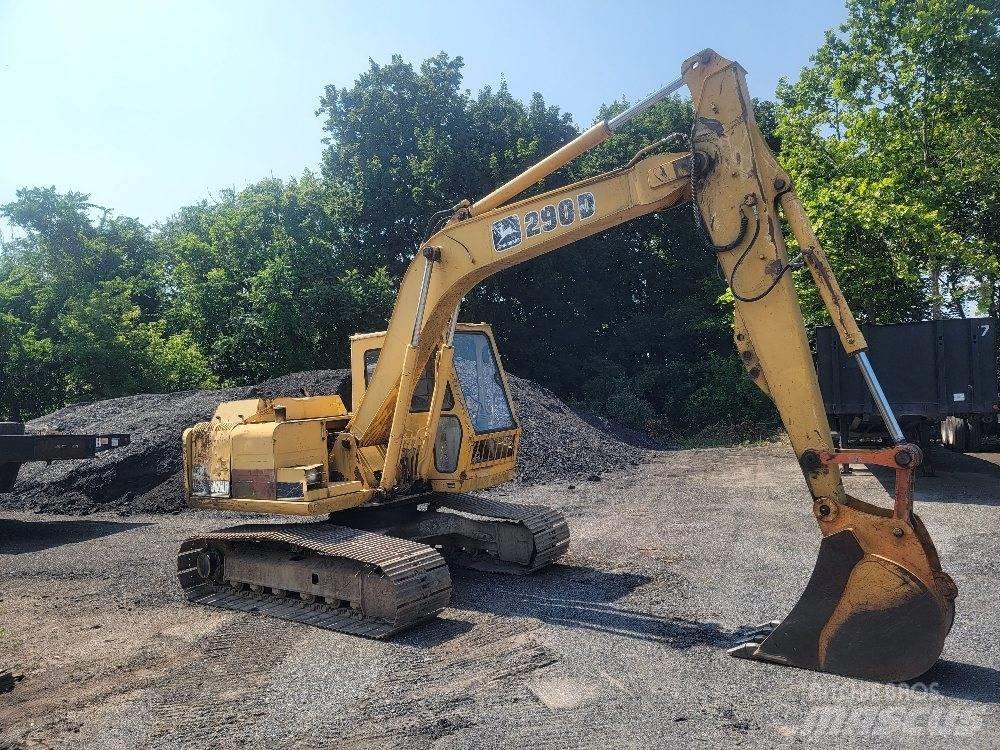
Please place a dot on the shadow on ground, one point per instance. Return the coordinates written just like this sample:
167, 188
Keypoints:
18, 537
958, 478
967, 463
957, 679
580, 597
433, 633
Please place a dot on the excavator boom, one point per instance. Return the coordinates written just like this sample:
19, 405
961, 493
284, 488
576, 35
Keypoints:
431, 418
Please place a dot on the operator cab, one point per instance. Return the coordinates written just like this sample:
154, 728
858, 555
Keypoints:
478, 433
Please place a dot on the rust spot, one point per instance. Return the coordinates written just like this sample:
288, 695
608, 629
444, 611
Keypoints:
775, 268
747, 356
711, 124
754, 372
826, 276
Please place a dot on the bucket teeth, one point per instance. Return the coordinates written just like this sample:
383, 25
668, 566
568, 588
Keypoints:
744, 650
754, 635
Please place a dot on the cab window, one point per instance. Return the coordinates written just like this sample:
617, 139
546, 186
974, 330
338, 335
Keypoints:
371, 359
480, 380
424, 389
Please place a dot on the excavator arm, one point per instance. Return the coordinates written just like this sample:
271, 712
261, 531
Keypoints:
878, 604
738, 187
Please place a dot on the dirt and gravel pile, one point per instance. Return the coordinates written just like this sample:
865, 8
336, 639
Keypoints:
558, 442
145, 476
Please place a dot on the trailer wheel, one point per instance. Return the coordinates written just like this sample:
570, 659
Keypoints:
974, 434
961, 435
947, 433
954, 433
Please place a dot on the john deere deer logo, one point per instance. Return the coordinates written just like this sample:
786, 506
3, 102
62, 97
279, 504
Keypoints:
506, 233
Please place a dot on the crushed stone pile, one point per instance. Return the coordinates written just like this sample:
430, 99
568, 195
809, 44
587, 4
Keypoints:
145, 476
559, 442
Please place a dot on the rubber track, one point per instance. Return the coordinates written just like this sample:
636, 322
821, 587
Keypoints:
418, 572
547, 526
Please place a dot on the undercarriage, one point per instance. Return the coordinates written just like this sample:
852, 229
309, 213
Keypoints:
382, 572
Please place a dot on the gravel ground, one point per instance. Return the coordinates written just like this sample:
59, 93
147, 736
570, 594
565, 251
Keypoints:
622, 644
145, 476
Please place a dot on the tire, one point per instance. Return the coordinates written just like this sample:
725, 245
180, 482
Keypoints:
948, 433
961, 434
974, 435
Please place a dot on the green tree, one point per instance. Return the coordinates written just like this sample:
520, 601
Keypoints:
887, 134
263, 283
81, 307
275, 278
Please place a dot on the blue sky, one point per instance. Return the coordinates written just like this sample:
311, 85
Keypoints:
151, 106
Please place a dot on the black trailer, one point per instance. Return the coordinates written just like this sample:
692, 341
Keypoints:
938, 375
17, 448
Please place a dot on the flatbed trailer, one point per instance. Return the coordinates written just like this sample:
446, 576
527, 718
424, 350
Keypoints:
18, 447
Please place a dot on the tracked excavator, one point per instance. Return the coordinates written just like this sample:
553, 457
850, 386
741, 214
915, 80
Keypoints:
431, 420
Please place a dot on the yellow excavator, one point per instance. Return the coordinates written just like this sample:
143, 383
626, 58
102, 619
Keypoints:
431, 420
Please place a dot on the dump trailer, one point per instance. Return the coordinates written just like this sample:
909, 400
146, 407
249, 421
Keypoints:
431, 420
940, 375
18, 447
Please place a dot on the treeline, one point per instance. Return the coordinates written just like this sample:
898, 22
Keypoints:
888, 134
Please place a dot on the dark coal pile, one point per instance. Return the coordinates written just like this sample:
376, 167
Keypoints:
557, 442
145, 477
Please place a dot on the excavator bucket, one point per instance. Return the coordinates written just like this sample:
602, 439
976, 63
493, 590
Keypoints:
861, 615
877, 606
